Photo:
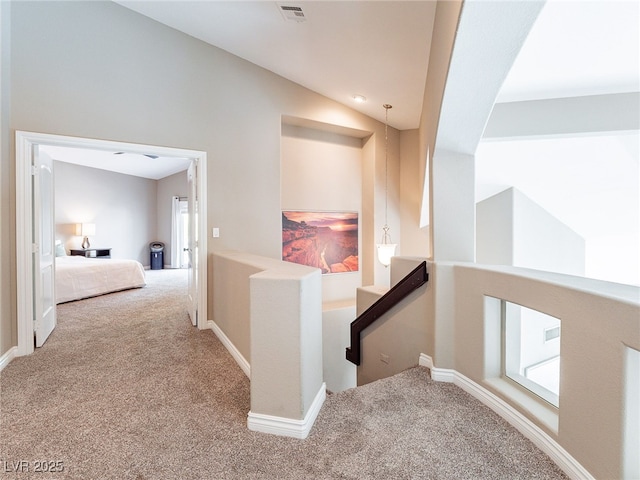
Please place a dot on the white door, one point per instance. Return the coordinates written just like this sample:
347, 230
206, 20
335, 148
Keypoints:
192, 244
44, 305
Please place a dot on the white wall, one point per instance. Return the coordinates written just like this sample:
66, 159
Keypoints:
614, 257
322, 171
511, 229
338, 373
453, 209
415, 235
494, 229
123, 207
543, 242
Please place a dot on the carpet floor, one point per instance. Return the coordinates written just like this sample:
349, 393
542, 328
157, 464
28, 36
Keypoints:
126, 388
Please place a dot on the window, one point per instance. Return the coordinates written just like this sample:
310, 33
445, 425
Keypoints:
184, 235
531, 350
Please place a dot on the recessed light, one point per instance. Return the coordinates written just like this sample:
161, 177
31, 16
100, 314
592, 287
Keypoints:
359, 98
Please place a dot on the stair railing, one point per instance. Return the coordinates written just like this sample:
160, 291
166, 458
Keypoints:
414, 280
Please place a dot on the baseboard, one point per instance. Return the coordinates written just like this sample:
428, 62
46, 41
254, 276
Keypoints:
6, 358
287, 427
235, 353
544, 442
437, 374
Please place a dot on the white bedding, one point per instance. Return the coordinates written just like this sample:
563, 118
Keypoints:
79, 277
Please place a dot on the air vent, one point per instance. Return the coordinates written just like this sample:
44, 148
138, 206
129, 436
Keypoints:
292, 13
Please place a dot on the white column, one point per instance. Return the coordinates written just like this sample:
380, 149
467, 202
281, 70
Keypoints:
287, 390
453, 206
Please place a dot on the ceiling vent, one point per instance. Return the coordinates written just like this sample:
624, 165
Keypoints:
292, 13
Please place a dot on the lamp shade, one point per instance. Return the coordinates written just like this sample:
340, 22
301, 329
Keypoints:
385, 252
88, 229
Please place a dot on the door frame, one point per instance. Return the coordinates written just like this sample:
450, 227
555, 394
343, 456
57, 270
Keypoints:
25, 142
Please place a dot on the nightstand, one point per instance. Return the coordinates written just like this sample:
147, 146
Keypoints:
92, 252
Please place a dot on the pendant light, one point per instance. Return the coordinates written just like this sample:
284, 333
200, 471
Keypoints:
386, 249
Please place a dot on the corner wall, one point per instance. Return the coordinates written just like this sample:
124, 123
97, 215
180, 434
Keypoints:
415, 236
278, 339
511, 229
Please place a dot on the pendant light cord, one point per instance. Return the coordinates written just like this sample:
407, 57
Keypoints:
386, 168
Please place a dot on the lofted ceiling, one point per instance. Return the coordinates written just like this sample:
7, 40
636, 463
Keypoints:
380, 49
377, 49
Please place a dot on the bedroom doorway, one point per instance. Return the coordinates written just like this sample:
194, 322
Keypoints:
27, 144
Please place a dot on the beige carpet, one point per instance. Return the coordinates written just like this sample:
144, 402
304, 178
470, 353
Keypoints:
126, 388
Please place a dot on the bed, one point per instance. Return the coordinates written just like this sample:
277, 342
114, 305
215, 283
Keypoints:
79, 277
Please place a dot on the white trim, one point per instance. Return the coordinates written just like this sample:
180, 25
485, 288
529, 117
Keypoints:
544, 442
25, 142
24, 256
235, 353
6, 358
288, 427
437, 374
201, 201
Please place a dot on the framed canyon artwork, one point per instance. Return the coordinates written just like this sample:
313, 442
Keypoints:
325, 240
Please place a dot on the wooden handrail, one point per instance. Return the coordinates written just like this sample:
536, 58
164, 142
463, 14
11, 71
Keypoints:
415, 279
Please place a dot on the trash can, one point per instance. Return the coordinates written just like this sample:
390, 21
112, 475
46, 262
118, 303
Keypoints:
157, 255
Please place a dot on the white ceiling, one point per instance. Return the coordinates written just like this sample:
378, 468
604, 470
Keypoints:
135, 164
378, 49
576, 48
